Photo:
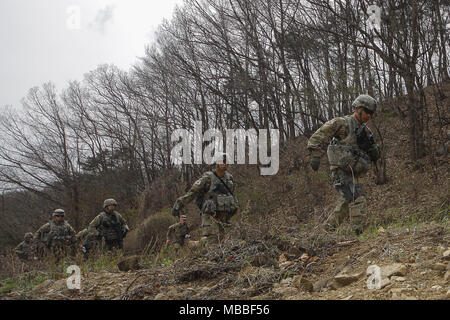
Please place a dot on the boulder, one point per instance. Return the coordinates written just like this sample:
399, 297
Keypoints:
396, 269
344, 279
43, 286
129, 263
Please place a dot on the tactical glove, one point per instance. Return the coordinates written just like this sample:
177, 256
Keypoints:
315, 163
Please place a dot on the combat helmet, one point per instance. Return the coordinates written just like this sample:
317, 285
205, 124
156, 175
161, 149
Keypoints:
365, 101
58, 212
28, 235
109, 202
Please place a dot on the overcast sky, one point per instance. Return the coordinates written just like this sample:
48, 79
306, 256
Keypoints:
60, 40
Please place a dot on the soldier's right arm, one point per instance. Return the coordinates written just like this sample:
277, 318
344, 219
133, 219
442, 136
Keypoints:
200, 185
318, 143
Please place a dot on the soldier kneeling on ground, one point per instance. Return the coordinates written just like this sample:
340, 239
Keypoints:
24, 249
178, 234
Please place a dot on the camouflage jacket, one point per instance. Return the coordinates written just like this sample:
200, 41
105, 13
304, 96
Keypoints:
207, 186
108, 225
338, 128
52, 234
24, 250
177, 232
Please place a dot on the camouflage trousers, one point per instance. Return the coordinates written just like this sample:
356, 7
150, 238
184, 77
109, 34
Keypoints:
213, 227
350, 203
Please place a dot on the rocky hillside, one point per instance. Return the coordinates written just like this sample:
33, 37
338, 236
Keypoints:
279, 248
415, 264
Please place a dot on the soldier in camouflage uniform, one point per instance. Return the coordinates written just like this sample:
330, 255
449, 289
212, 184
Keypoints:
108, 224
350, 149
57, 235
24, 249
214, 196
177, 233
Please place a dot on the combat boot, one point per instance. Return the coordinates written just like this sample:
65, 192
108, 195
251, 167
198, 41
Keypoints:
357, 212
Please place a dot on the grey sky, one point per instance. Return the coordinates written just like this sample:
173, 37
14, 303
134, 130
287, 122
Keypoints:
41, 40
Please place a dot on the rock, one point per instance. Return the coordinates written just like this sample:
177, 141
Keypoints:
396, 269
447, 276
425, 249
439, 266
436, 288
129, 263
302, 283
343, 279
381, 230
398, 279
446, 255
42, 286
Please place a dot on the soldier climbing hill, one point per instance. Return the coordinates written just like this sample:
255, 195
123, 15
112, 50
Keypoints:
350, 149
214, 196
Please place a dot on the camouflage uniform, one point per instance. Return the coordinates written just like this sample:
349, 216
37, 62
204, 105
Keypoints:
217, 205
346, 168
177, 233
25, 249
81, 236
57, 237
111, 226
